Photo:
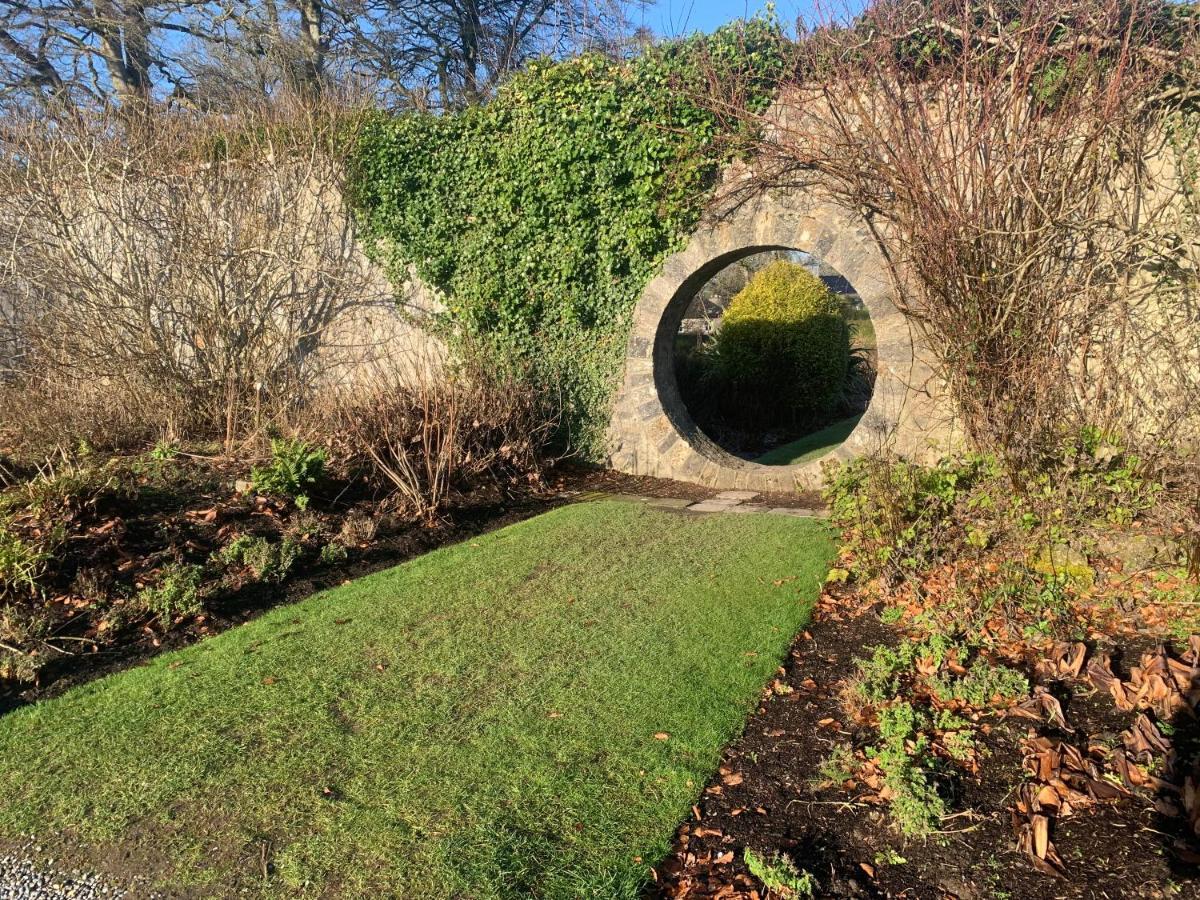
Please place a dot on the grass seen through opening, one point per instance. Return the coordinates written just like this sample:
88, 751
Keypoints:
530, 713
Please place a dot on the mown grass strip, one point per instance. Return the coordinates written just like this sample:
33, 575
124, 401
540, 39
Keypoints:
530, 713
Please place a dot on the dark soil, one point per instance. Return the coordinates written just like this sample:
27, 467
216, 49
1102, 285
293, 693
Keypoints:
766, 797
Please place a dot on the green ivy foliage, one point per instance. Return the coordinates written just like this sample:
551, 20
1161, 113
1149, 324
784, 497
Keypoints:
541, 216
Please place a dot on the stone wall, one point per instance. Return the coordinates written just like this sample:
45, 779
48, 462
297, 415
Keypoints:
1139, 373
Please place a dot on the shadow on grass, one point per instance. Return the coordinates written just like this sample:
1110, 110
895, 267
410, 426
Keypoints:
811, 446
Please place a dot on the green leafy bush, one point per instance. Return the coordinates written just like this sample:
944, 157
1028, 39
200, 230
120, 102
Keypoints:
982, 684
878, 676
21, 563
894, 514
909, 769
838, 767
898, 682
266, 560
541, 216
899, 518
783, 350
334, 554
780, 874
234, 553
295, 467
176, 594
272, 562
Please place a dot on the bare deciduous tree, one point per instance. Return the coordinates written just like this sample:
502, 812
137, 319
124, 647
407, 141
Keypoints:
450, 53
98, 49
208, 53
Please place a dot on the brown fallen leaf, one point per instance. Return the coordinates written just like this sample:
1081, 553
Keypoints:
1099, 671
1144, 739
1193, 652
1048, 798
1046, 703
1064, 660
1034, 837
1041, 835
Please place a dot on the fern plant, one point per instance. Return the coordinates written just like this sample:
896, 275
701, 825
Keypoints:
294, 468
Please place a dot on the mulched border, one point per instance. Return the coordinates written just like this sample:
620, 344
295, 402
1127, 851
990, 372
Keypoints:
765, 797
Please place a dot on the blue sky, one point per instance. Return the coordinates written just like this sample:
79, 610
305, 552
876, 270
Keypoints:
671, 18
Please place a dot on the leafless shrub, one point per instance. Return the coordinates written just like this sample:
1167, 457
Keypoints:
44, 413
171, 272
431, 429
1002, 156
358, 529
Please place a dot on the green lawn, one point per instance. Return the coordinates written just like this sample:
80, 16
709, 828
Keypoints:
479, 722
811, 446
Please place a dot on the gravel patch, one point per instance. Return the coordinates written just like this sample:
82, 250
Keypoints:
22, 879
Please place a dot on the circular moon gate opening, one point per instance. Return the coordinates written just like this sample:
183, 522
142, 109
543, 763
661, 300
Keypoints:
651, 431
773, 358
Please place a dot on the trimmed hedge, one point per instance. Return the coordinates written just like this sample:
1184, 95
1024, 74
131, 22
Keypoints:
782, 352
542, 215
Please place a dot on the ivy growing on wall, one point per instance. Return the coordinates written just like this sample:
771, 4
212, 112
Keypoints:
542, 215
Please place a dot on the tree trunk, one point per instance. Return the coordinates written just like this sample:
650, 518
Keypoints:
312, 47
125, 47
470, 30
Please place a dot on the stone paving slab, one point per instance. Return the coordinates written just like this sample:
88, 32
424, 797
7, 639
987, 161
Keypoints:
736, 495
669, 502
749, 508
714, 506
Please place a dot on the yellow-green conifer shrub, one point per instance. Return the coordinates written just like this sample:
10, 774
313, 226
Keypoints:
783, 349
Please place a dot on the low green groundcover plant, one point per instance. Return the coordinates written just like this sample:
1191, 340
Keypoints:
780, 875
21, 563
294, 469
529, 713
